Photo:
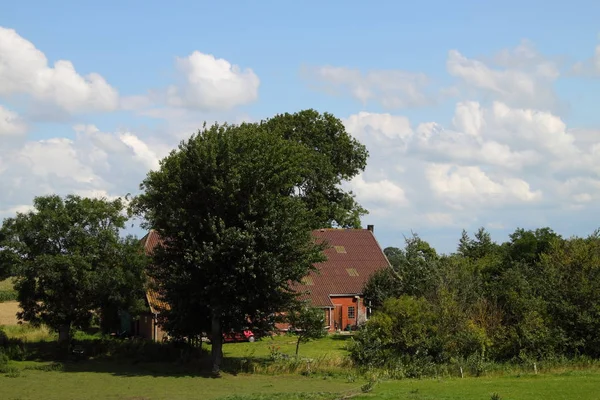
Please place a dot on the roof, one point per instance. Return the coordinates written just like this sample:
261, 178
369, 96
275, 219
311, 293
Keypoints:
353, 256
150, 241
156, 304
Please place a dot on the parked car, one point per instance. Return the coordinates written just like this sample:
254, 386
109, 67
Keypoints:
244, 336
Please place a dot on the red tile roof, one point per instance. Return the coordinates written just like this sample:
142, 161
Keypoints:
156, 304
353, 256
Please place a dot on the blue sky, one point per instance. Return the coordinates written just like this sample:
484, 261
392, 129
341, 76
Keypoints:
475, 113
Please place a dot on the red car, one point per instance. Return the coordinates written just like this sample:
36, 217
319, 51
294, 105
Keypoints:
243, 336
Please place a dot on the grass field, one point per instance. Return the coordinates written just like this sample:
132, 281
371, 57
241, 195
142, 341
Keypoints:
112, 381
8, 313
331, 376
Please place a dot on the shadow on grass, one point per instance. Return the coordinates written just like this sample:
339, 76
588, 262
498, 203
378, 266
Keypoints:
341, 337
131, 358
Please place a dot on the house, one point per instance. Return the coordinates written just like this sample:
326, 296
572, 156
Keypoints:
336, 286
147, 325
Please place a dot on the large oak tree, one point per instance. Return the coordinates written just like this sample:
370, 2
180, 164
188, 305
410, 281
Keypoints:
235, 205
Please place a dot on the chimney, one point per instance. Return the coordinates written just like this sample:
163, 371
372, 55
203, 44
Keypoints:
370, 228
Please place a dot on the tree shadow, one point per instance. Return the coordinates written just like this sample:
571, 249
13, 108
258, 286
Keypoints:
341, 337
130, 358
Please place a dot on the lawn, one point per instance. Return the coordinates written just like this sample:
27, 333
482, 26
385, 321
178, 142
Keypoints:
91, 380
580, 385
333, 347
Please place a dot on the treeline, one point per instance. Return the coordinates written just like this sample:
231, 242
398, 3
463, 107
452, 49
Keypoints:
534, 297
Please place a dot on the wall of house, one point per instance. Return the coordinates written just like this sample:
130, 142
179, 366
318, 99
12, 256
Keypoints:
347, 311
146, 328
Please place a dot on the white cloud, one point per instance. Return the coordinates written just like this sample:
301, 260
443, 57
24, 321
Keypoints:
493, 166
24, 70
211, 83
466, 186
390, 88
93, 163
11, 123
520, 77
383, 192
589, 67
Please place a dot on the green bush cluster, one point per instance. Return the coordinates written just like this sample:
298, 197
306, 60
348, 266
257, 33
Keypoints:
8, 295
533, 298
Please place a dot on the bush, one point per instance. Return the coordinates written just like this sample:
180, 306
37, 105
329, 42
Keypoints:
8, 295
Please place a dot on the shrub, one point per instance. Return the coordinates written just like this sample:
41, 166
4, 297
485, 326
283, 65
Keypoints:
8, 295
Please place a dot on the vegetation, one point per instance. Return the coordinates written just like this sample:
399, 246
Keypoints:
308, 324
535, 297
235, 206
68, 260
7, 291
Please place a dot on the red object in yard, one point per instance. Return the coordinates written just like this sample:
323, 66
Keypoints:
244, 336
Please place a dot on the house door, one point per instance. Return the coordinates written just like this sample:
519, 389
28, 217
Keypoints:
337, 317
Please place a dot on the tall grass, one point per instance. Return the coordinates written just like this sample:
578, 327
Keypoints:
7, 291
28, 333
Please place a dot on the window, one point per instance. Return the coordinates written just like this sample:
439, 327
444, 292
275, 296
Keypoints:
352, 271
351, 313
308, 280
340, 249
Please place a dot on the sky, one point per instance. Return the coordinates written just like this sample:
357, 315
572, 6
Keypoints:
475, 114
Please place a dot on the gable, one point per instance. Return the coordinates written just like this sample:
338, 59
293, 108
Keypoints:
353, 256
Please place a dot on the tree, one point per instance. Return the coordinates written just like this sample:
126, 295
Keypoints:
335, 156
69, 260
235, 206
308, 323
382, 285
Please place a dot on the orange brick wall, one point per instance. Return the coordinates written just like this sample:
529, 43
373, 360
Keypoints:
340, 315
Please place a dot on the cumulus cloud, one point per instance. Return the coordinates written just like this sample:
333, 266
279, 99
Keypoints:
210, 83
390, 88
10, 123
493, 166
92, 163
589, 67
24, 70
519, 77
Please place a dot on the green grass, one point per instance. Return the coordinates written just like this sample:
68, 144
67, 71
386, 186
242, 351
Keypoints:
114, 381
97, 380
580, 385
7, 292
331, 347
6, 285
29, 334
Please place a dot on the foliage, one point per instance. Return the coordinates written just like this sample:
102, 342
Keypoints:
235, 206
535, 297
8, 295
307, 323
68, 260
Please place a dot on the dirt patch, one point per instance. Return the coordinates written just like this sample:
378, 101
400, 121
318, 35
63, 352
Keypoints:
8, 312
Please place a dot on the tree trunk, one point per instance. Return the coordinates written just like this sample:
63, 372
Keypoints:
64, 333
298, 345
217, 343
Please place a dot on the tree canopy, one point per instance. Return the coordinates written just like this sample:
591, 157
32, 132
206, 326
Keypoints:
235, 205
69, 260
534, 297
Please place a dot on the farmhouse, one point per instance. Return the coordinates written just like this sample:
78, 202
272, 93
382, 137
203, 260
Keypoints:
336, 286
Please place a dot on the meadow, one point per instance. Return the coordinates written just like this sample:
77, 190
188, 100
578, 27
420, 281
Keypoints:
264, 370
